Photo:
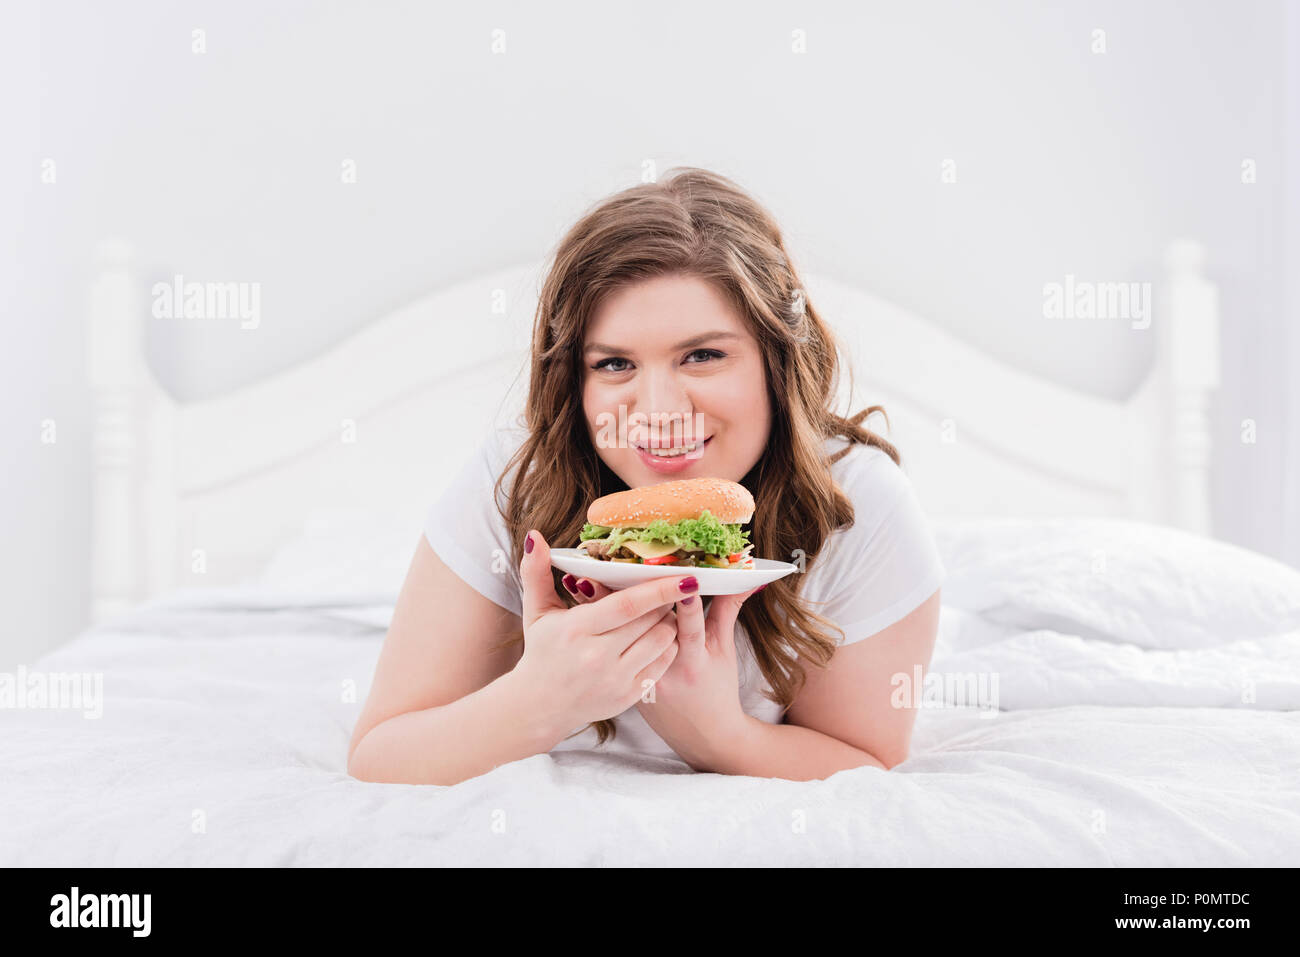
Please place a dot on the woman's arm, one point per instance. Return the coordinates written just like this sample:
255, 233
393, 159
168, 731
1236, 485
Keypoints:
454, 742
788, 751
443, 706
844, 716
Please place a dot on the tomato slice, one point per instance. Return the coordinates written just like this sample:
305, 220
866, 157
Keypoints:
661, 560
735, 557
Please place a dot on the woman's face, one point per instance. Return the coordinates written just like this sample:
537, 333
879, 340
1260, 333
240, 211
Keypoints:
673, 360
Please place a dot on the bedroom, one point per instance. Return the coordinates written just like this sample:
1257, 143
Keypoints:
213, 515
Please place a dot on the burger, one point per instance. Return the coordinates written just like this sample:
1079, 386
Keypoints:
690, 522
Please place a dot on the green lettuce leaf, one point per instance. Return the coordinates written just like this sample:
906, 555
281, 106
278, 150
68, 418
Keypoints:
704, 534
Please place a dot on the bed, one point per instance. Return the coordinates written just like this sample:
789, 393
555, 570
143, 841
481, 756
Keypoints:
1145, 678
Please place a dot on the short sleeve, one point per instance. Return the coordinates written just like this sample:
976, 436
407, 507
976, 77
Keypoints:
875, 572
466, 529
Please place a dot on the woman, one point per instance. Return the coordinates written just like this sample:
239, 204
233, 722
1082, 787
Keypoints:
670, 300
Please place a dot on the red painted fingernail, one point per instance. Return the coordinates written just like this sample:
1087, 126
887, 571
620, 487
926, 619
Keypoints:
588, 588
689, 584
528, 544
688, 600
569, 582
760, 588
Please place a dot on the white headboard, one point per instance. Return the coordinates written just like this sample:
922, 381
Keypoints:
202, 493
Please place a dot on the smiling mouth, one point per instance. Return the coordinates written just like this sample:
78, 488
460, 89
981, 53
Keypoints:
674, 451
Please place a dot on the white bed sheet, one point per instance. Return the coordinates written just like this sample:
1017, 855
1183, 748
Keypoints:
228, 709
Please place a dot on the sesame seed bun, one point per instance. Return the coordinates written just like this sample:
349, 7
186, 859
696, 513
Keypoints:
728, 502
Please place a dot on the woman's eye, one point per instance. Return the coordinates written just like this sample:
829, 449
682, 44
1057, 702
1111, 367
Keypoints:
706, 354
619, 364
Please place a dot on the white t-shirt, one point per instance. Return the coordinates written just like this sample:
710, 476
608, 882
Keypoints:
865, 578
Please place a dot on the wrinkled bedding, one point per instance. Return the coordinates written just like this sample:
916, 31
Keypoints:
1147, 713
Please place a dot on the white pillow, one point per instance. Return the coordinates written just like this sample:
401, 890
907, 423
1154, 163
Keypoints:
348, 555
1117, 580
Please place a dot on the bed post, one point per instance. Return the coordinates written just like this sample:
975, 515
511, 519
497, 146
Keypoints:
1188, 362
126, 405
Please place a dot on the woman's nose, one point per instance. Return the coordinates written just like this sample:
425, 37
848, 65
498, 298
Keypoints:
663, 396
663, 392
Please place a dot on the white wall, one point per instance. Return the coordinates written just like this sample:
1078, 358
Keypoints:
226, 166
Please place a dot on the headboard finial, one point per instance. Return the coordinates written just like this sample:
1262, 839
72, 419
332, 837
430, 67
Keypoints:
127, 411
1189, 356
1185, 256
113, 253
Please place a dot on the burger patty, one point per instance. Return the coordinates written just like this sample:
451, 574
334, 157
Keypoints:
599, 549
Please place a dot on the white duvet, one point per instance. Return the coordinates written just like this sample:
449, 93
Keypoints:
1148, 685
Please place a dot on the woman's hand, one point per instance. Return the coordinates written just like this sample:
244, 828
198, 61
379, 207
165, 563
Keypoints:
695, 705
589, 663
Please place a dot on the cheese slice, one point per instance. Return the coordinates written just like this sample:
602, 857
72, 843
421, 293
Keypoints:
650, 549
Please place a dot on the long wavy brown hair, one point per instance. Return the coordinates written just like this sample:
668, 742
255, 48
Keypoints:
698, 223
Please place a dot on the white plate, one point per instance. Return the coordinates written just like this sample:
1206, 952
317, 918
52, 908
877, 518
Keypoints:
713, 581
